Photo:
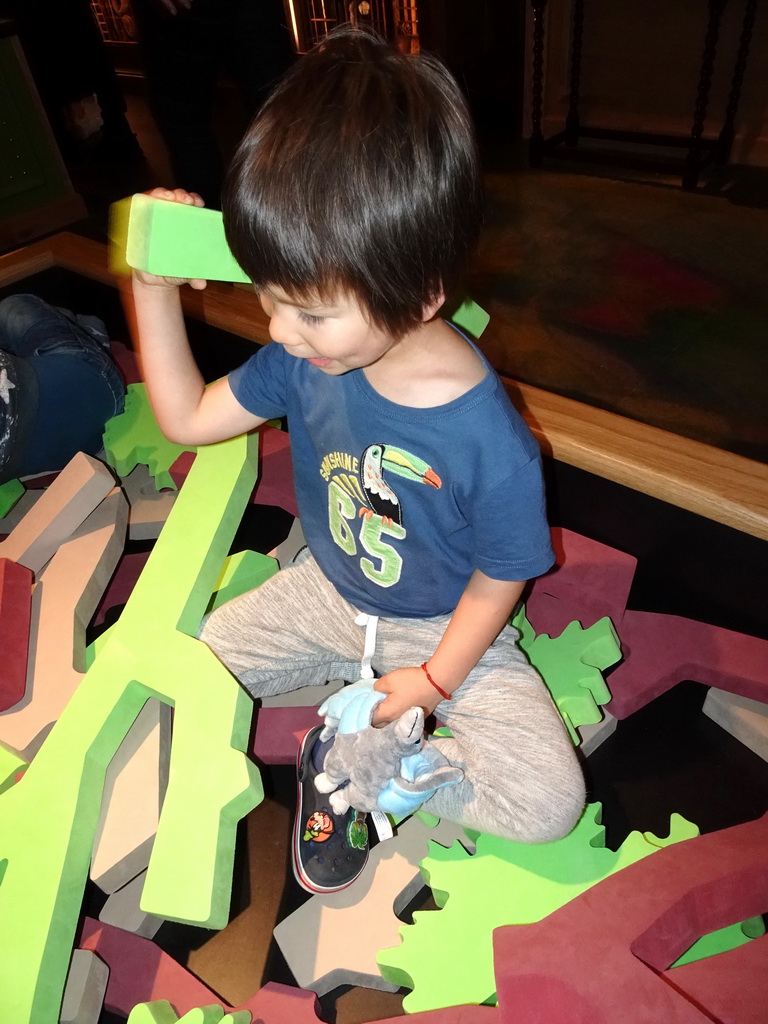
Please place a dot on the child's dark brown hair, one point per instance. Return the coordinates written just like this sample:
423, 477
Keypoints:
359, 176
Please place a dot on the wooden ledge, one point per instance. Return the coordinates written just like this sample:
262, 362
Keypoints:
726, 488
706, 480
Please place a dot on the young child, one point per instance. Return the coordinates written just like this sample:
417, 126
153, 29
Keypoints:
353, 204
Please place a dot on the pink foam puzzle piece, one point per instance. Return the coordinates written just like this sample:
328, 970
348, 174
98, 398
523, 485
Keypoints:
279, 732
590, 581
275, 483
67, 502
141, 972
628, 930
734, 993
662, 650
15, 608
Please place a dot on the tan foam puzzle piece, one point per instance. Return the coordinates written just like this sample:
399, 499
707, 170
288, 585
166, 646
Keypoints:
333, 939
86, 985
122, 910
127, 825
74, 494
149, 507
745, 719
63, 601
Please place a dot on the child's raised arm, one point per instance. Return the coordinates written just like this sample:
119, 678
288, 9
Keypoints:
187, 411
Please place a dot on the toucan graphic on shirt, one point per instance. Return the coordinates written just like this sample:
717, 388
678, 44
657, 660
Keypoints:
381, 500
363, 489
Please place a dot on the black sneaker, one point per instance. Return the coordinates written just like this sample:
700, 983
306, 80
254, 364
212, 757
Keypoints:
329, 849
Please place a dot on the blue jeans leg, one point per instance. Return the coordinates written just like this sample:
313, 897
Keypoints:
79, 384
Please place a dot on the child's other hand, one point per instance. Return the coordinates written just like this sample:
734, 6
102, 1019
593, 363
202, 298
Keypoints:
172, 195
405, 688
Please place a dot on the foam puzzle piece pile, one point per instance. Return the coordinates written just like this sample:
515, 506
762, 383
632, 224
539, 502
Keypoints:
503, 883
623, 969
592, 580
87, 745
333, 940
48, 817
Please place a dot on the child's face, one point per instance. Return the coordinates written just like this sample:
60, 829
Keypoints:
333, 335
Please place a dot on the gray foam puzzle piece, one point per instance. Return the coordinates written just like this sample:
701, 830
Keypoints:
304, 697
593, 735
122, 910
333, 940
86, 986
74, 494
287, 550
745, 719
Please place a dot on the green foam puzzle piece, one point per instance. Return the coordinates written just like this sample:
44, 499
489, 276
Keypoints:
10, 765
48, 819
134, 438
502, 883
242, 572
467, 316
731, 937
10, 492
170, 239
161, 1012
571, 665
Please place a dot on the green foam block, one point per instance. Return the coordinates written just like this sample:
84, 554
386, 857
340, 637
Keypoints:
161, 1012
171, 240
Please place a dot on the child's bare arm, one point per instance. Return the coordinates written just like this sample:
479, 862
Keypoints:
187, 411
482, 612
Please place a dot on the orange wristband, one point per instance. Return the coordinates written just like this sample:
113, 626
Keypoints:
440, 690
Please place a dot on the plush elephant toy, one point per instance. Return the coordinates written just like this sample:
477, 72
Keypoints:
390, 769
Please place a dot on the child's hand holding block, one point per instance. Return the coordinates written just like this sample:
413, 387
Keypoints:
170, 240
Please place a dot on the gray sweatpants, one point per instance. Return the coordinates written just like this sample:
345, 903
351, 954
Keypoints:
522, 778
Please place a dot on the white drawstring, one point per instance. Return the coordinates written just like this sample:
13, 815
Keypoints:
371, 623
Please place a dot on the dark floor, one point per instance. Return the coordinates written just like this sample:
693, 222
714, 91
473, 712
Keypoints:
636, 297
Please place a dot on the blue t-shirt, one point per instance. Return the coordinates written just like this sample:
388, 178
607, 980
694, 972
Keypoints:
399, 505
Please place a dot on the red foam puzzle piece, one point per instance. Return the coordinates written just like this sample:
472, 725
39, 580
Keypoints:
15, 607
590, 580
275, 480
662, 650
140, 972
126, 361
601, 957
279, 731
122, 583
724, 992
451, 1015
